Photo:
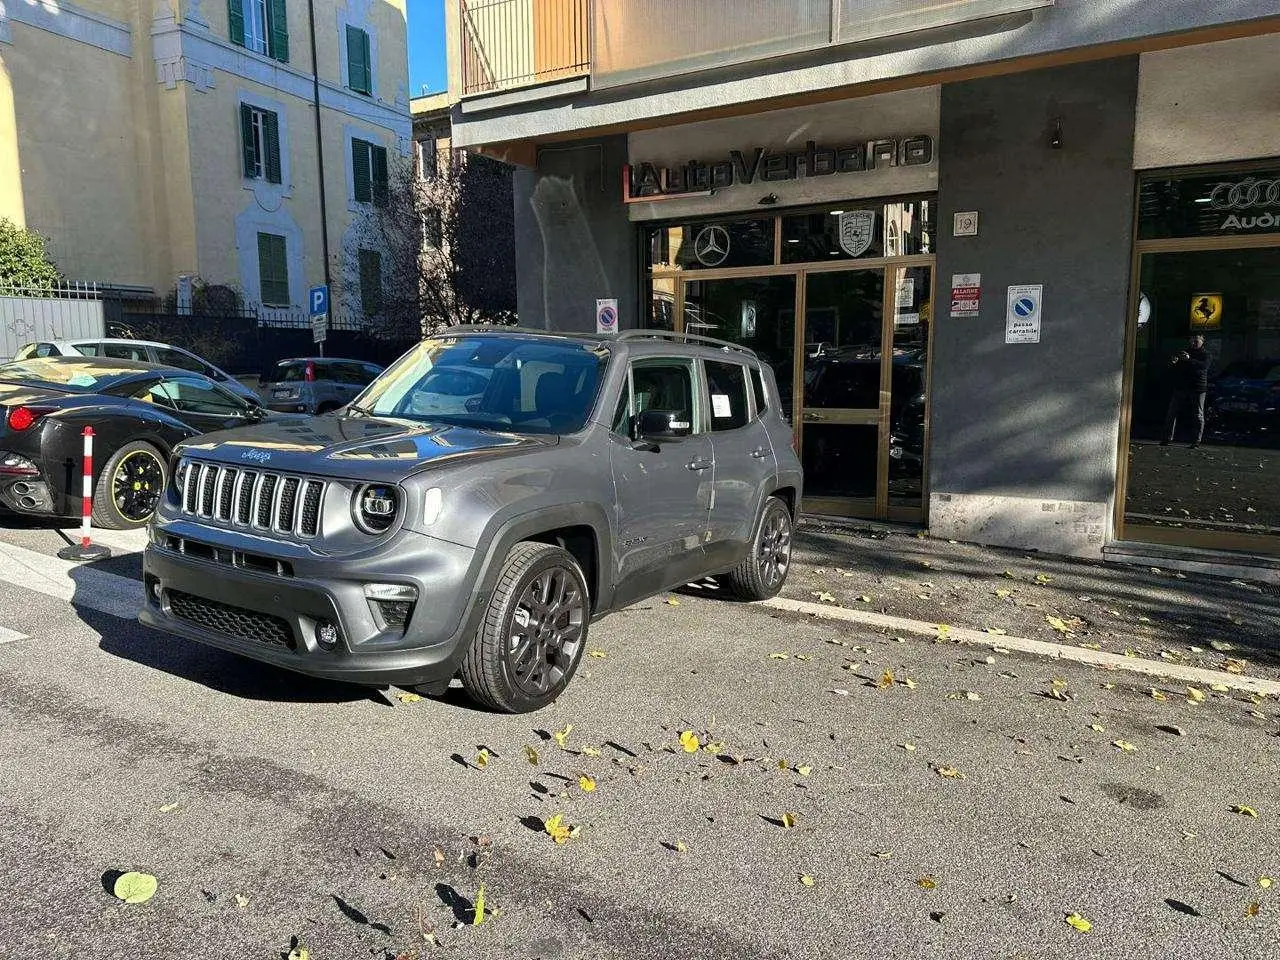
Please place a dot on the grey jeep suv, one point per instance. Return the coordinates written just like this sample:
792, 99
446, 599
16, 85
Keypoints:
415, 537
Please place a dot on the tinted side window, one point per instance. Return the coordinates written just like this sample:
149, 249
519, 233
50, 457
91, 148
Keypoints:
727, 384
183, 361
193, 396
87, 349
664, 386
622, 415
124, 351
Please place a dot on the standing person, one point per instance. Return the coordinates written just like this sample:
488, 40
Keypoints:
1189, 378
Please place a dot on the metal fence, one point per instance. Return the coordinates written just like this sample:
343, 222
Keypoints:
518, 43
64, 312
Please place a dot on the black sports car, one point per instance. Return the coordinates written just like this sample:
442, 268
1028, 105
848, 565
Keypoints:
138, 412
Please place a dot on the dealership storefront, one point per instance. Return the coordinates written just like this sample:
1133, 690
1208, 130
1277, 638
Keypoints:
974, 295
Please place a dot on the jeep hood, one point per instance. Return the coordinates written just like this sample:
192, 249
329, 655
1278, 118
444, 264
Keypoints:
376, 449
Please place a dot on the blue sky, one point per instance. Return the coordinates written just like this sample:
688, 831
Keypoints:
426, 46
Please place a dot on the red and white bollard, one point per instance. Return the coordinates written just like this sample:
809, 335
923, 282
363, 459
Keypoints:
86, 549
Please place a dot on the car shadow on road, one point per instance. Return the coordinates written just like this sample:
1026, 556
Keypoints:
216, 669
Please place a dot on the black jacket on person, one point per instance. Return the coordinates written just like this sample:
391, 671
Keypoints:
1191, 373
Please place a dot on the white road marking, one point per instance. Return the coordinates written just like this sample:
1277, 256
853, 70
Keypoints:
8, 636
77, 583
1044, 648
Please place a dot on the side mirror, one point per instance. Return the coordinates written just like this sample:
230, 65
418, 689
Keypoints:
662, 425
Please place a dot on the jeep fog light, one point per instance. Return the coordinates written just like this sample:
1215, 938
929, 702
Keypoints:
326, 634
432, 501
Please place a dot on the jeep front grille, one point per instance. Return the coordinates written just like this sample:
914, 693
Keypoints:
253, 498
234, 621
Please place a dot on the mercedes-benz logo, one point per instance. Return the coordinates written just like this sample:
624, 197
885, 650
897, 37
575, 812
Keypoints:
711, 245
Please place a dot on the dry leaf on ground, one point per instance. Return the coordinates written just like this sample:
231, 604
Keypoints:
560, 736
689, 740
587, 783
134, 887
531, 754
1079, 922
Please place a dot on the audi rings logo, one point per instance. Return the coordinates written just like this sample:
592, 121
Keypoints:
1248, 194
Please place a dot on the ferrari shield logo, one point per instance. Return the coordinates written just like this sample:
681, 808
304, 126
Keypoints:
857, 228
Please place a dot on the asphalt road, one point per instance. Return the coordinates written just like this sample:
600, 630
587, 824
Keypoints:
274, 807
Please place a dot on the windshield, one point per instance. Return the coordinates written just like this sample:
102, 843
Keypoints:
79, 376
494, 382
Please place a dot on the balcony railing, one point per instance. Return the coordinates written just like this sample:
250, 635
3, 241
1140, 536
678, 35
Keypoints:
518, 43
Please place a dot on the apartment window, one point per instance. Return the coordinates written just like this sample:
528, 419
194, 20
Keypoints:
427, 159
369, 172
359, 62
371, 282
432, 228
261, 26
273, 270
260, 140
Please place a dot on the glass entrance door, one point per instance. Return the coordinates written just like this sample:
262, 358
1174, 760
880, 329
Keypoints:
866, 335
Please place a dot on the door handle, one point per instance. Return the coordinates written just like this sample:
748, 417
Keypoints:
698, 463
760, 453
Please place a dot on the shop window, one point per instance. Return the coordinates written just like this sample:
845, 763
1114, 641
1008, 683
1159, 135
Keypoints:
859, 231
1210, 205
712, 245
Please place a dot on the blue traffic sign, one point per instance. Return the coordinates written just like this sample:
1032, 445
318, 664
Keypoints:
318, 300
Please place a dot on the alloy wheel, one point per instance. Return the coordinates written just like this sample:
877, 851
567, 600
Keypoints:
547, 630
774, 551
136, 485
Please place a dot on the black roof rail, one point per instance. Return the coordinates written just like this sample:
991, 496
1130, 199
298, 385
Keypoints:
693, 338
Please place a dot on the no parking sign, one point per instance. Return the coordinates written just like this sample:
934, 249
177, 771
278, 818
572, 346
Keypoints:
606, 316
1022, 313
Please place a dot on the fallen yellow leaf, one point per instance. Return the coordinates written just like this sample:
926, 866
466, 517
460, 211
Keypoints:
1265, 882
886, 680
804, 771
807, 880
1219, 688
1252, 909
599, 654
788, 820
478, 917
907, 746
951, 773
681, 846
587, 783
672, 601
689, 740
169, 807
558, 829
825, 597
531, 754
299, 953
1002, 593
927, 883
408, 697
1195, 695
1098, 727
1079, 922
1244, 811
482, 759
779, 656
908, 683
1123, 745
1157, 695
590, 751
561, 736
134, 887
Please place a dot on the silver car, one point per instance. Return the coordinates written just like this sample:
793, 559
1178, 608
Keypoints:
144, 351
315, 384
383, 545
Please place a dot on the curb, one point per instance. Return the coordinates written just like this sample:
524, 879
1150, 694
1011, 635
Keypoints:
1043, 648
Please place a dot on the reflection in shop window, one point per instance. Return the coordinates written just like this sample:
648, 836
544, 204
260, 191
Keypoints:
712, 245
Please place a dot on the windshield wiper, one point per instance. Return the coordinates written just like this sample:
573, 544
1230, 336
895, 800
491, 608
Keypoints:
353, 410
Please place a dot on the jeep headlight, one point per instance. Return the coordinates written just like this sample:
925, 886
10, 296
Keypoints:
376, 507
179, 473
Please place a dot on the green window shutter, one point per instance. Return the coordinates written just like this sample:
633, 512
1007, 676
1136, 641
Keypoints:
273, 270
271, 134
249, 148
367, 85
371, 282
277, 31
380, 176
357, 59
362, 170
235, 14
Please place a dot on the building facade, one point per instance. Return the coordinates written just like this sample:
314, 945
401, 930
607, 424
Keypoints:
233, 143
974, 240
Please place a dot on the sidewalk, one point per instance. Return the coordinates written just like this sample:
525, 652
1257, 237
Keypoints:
1190, 619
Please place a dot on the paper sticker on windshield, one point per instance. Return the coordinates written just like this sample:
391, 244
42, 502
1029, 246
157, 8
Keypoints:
82, 380
720, 406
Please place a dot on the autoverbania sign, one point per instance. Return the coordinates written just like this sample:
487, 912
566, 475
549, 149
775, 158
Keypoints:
656, 181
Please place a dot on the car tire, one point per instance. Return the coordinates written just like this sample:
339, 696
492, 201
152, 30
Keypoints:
136, 463
522, 657
761, 574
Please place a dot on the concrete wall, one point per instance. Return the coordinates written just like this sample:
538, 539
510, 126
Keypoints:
1209, 104
1023, 448
1067, 25
574, 243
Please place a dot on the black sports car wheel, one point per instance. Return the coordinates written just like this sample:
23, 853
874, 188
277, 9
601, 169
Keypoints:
129, 487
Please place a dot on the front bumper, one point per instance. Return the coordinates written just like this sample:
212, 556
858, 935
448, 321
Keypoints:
275, 618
